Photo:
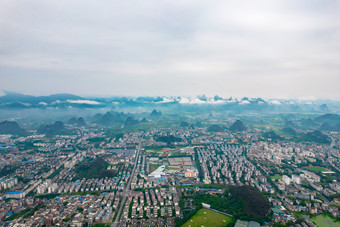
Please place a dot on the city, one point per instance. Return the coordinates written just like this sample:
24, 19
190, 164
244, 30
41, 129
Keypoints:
169, 113
84, 173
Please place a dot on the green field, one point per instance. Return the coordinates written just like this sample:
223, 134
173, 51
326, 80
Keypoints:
276, 177
205, 217
154, 151
318, 169
170, 168
150, 151
325, 221
153, 168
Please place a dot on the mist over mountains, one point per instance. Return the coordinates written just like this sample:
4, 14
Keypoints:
12, 100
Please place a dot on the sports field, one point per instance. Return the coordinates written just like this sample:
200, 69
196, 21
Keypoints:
206, 218
325, 221
316, 168
276, 177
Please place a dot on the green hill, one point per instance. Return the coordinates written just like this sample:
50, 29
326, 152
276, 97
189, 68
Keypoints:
272, 135
254, 202
96, 168
238, 126
332, 119
10, 127
55, 128
215, 128
289, 131
317, 137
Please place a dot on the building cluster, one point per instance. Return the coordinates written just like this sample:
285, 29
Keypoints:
158, 204
8, 183
227, 164
68, 210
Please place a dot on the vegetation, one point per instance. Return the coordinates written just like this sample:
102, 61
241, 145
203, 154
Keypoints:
238, 126
155, 113
324, 221
94, 169
53, 129
32, 211
18, 215
216, 128
243, 202
10, 127
254, 202
168, 139
153, 167
7, 170
316, 169
208, 217
56, 172
271, 135
317, 137
289, 131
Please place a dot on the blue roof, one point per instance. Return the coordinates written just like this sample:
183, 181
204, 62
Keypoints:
12, 193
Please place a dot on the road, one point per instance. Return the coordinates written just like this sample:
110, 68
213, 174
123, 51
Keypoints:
127, 190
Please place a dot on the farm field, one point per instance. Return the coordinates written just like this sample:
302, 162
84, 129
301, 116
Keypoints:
206, 218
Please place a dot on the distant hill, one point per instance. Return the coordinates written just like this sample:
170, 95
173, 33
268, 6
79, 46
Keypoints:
317, 137
326, 127
332, 119
10, 127
289, 130
238, 126
155, 113
289, 124
110, 118
184, 124
309, 123
272, 135
216, 128
81, 122
72, 121
13, 97
131, 121
57, 127
324, 107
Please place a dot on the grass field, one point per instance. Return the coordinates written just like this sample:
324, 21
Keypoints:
325, 221
154, 151
276, 177
153, 168
170, 168
318, 169
206, 218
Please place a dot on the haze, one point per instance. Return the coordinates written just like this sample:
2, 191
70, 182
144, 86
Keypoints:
235, 48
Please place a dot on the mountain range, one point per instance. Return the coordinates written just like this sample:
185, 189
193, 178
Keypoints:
13, 100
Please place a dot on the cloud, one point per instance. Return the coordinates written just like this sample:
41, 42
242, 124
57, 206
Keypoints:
191, 101
275, 102
244, 102
90, 102
239, 48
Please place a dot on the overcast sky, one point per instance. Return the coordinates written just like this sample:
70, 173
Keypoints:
285, 48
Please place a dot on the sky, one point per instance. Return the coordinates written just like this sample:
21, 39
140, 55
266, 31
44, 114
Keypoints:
281, 48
